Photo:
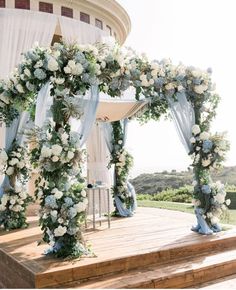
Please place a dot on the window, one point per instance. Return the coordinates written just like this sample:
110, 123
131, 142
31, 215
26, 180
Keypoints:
98, 23
45, 7
2, 3
68, 12
84, 17
22, 4
109, 29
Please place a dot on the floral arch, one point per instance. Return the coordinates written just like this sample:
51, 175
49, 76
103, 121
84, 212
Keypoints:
73, 72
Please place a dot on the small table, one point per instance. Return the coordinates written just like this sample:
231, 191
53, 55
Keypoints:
94, 190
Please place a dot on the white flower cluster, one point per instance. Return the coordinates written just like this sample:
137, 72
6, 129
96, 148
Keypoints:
219, 205
14, 161
63, 211
209, 150
14, 202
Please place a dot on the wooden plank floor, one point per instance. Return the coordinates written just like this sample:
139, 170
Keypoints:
150, 230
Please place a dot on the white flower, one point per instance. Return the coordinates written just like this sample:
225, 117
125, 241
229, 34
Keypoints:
53, 213
38, 64
23, 195
71, 63
60, 220
200, 89
55, 158
17, 208
151, 82
192, 140
198, 148
67, 69
83, 193
27, 72
196, 129
57, 193
204, 136
13, 161
10, 171
206, 162
46, 152
228, 202
52, 64
59, 81
154, 66
56, 149
3, 156
214, 220
221, 153
21, 164
169, 86
20, 88
70, 154
12, 201
64, 138
81, 206
2, 207
220, 198
180, 88
49, 136
154, 73
60, 231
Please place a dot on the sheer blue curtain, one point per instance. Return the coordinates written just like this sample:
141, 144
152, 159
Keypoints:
183, 115
14, 131
89, 104
43, 104
108, 134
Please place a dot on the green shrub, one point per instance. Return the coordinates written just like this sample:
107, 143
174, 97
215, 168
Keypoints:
182, 194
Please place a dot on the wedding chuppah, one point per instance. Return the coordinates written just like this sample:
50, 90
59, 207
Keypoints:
64, 96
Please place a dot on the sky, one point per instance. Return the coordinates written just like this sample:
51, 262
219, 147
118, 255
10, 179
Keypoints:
195, 32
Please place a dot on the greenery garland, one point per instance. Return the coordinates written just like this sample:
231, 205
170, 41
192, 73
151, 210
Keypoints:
123, 162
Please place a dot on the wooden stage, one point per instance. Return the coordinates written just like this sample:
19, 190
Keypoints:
153, 249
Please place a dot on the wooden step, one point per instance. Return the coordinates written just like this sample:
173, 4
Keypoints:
173, 254
182, 274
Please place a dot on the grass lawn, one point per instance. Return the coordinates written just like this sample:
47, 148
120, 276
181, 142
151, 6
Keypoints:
185, 207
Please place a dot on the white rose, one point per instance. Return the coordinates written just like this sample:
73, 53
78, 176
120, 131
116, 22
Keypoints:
220, 198
154, 66
12, 201
46, 152
13, 161
77, 69
55, 158
27, 72
67, 70
21, 164
154, 73
10, 171
206, 162
228, 202
56, 149
192, 140
70, 155
169, 86
23, 195
60, 220
60, 231
204, 136
64, 138
71, 63
151, 82
196, 129
80, 207
20, 88
52, 64
3, 156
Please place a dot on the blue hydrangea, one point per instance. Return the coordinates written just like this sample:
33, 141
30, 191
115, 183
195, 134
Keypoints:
207, 146
32, 55
79, 57
206, 189
40, 74
51, 201
68, 201
159, 82
72, 212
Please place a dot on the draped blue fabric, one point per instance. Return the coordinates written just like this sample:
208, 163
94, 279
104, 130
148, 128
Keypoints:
89, 104
183, 115
14, 131
108, 133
